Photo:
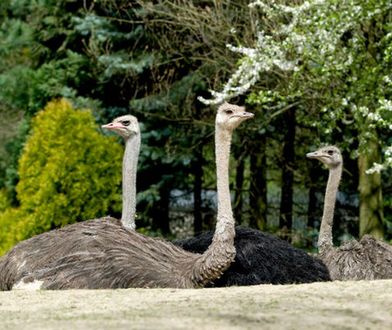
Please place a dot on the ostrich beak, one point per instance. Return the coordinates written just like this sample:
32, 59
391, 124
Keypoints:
247, 115
313, 155
112, 126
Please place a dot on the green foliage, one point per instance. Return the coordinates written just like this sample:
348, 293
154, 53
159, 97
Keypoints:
68, 172
14, 150
10, 223
4, 200
34, 68
329, 60
331, 56
59, 78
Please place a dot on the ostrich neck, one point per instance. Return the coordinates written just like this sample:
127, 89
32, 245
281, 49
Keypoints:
325, 237
220, 254
225, 219
131, 154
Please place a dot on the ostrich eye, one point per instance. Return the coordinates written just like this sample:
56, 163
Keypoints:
126, 122
229, 112
330, 152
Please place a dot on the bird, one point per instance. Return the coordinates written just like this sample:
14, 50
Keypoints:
261, 258
367, 259
105, 254
43, 249
128, 127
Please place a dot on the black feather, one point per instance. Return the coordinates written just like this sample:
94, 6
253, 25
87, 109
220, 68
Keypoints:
262, 258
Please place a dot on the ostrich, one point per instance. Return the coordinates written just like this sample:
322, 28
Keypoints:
41, 250
107, 255
128, 127
368, 259
262, 258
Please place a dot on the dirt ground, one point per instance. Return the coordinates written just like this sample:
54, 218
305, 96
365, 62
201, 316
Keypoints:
338, 305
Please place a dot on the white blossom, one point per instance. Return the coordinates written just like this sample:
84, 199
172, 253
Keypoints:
386, 104
376, 168
374, 116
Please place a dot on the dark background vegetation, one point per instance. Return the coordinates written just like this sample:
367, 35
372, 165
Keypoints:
153, 59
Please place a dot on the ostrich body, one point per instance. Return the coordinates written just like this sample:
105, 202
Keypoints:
367, 259
104, 254
262, 258
128, 127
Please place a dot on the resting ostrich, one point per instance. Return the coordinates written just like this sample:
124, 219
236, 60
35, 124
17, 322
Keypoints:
41, 250
128, 127
368, 259
107, 255
262, 258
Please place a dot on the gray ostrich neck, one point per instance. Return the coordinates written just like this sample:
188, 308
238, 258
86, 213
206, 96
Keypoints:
131, 154
221, 252
325, 237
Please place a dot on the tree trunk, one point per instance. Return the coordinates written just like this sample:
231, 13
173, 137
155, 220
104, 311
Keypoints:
258, 185
160, 215
312, 207
288, 163
370, 193
314, 211
239, 184
197, 190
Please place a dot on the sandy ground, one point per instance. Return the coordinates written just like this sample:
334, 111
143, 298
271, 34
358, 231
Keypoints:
338, 305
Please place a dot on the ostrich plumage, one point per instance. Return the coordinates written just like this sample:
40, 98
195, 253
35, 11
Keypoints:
262, 258
367, 259
102, 253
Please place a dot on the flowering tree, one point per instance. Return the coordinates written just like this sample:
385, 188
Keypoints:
333, 59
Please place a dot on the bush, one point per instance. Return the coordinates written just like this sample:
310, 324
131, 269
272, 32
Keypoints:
68, 172
11, 228
4, 200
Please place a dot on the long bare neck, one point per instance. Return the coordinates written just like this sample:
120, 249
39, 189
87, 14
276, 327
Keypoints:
131, 155
325, 237
221, 252
225, 221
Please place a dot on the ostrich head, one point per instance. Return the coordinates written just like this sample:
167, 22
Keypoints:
330, 156
125, 126
229, 116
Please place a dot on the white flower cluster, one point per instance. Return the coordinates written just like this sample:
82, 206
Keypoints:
308, 30
266, 57
325, 38
385, 104
378, 116
376, 168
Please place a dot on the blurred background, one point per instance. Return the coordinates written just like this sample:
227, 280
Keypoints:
312, 76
